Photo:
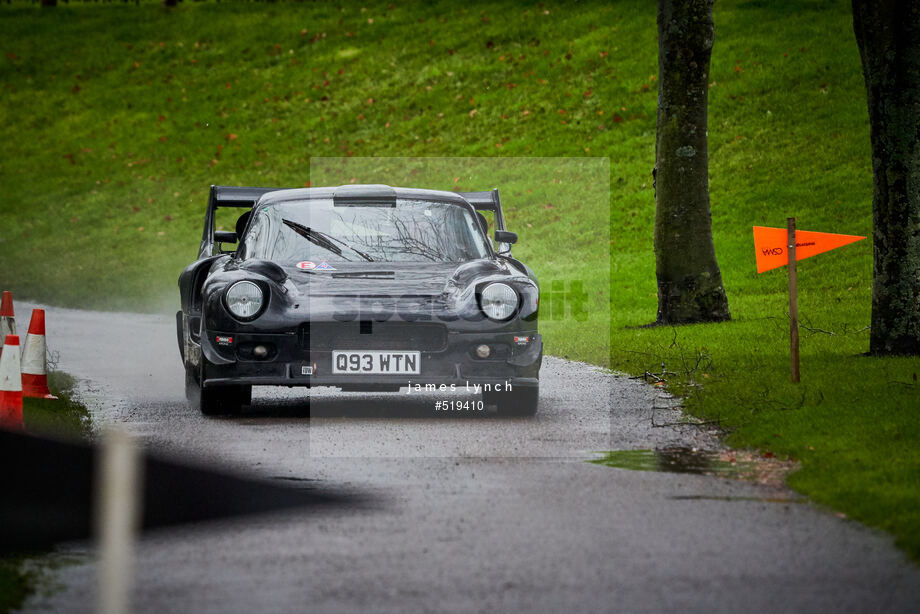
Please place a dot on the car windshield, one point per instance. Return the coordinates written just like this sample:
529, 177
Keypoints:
317, 230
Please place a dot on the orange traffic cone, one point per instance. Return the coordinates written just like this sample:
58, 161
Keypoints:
10, 385
7, 322
34, 367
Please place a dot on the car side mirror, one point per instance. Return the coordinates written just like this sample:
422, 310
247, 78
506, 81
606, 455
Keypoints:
505, 236
225, 236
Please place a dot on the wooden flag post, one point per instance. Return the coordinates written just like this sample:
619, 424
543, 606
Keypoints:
770, 254
793, 301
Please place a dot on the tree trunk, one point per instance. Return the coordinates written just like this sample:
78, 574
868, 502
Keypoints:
888, 36
49, 2
689, 281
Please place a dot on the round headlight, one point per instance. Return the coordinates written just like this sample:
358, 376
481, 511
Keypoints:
499, 301
244, 299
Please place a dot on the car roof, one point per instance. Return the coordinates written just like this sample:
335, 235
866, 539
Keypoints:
357, 191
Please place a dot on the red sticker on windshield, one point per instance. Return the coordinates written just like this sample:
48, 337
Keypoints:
306, 265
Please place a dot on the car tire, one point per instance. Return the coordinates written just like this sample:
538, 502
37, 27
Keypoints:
216, 400
191, 386
180, 336
221, 400
520, 401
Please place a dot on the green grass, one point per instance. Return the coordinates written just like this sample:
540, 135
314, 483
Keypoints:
15, 583
21, 577
61, 417
115, 119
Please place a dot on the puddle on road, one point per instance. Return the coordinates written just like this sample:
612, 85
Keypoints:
784, 499
671, 460
731, 464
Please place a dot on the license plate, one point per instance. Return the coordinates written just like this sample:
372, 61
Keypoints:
376, 362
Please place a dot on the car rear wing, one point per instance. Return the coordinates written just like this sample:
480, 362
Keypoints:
490, 201
226, 196
487, 201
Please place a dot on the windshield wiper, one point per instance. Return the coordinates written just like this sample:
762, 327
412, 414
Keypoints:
313, 237
341, 242
323, 240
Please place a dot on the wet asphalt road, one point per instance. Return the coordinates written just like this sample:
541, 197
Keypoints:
471, 512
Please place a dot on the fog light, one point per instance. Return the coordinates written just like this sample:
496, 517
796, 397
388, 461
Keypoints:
260, 351
483, 351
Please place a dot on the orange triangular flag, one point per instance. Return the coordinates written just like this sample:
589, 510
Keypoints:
770, 245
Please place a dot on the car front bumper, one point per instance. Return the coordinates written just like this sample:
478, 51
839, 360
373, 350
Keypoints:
513, 362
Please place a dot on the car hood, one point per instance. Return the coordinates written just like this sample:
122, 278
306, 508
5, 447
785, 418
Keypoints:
392, 279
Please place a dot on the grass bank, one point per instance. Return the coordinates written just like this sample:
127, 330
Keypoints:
117, 118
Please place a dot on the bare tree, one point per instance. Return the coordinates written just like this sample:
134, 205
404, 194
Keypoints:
689, 281
888, 36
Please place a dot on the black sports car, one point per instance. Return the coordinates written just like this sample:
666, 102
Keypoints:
361, 287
